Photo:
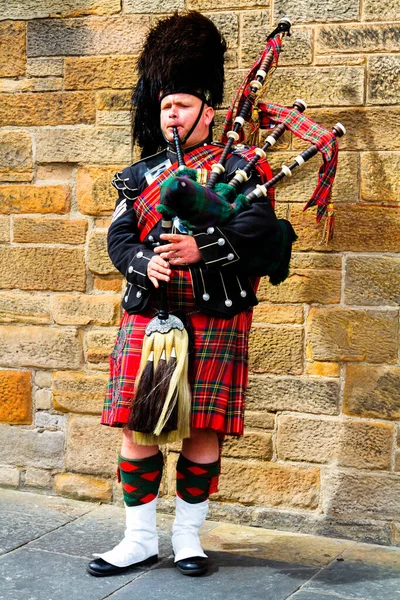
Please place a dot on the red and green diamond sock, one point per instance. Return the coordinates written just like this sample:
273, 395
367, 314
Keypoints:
194, 480
140, 478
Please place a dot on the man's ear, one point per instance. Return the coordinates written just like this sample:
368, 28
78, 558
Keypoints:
208, 115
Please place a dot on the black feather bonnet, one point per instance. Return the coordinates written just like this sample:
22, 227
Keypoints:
182, 53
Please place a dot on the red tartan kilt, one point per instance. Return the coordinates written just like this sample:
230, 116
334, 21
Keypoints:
218, 370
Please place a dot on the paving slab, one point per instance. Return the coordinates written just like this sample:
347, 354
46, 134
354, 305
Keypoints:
366, 573
98, 531
230, 577
25, 517
37, 575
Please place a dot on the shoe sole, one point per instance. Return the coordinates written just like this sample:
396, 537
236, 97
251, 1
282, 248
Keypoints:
149, 561
192, 572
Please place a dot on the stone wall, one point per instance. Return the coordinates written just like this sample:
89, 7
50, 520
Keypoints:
320, 453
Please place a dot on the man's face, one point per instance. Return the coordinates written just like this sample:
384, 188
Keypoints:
181, 110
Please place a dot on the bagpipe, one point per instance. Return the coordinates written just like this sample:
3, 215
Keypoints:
218, 203
161, 411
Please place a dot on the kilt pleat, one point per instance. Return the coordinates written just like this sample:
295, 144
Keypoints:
218, 369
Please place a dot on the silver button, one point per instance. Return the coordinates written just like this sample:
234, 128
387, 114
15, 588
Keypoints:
243, 293
151, 238
228, 302
126, 298
221, 242
206, 297
139, 255
230, 256
130, 270
210, 230
138, 294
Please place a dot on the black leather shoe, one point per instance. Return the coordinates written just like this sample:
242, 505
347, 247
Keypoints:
194, 566
101, 568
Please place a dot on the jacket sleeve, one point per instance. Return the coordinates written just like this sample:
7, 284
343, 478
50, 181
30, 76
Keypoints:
236, 245
128, 254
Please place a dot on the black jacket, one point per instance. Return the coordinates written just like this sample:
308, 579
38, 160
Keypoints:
230, 254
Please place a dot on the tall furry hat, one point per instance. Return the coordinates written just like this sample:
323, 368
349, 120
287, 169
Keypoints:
182, 53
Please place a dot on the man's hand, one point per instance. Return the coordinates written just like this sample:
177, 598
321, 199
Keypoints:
181, 249
158, 270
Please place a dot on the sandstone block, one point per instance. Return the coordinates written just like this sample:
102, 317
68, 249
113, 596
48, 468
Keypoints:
43, 379
340, 59
306, 286
379, 181
278, 314
37, 478
302, 394
113, 100
372, 11
335, 441
30, 448
298, 49
254, 25
323, 369
98, 259
79, 392
340, 334
16, 156
95, 194
92, 73
375, 496
372, 281
4, 229
12, 48
268, 484
383, 79
301, 186
45, 420
45, 108
56, 269
42, 347
40, 9
34, 199
91, 448
228, 24
108, 285
15, 397
153, 6
48, 231
86, 310
222, 4
397, 468
84, 144
259, 419
113, 117
253, 444
315, 260
31, 84
311, 12
360, 37
370, 127
83, 487
59, 172
43, 399
358, 228
102, 223
285, 350
319, 86
90, 36
17, 307
99, 345
9, 477
45, 67
372, 392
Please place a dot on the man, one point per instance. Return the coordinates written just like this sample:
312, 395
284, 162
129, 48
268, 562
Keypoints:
207, 277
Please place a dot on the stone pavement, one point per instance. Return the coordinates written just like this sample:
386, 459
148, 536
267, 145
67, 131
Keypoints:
46, 541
